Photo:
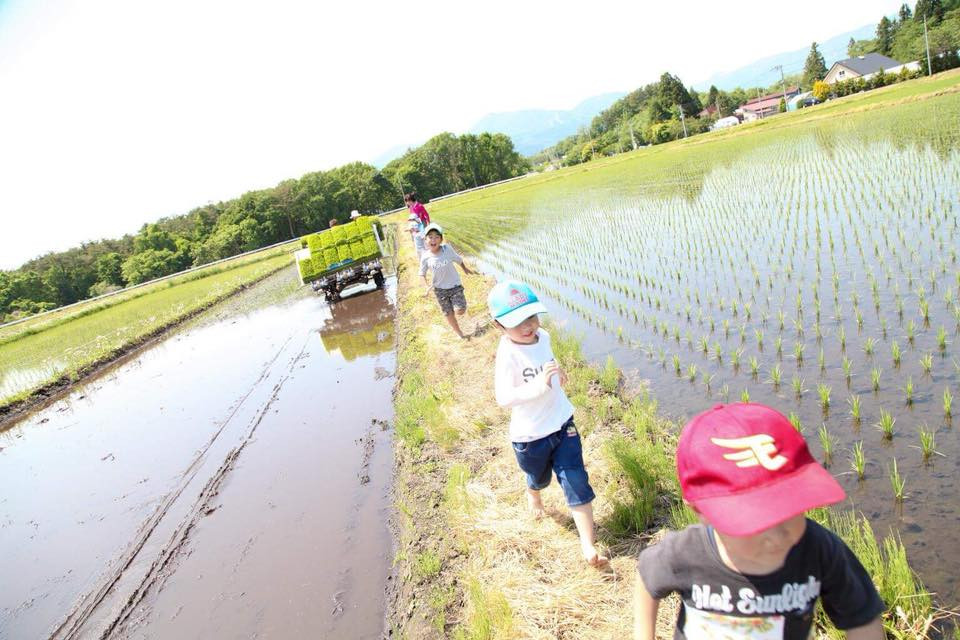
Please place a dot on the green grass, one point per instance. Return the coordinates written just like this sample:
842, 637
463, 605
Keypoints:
55, 347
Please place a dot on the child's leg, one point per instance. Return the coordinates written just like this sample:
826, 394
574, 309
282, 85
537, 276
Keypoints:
535, 503
452, 319
583, 518
534, 460
573, 478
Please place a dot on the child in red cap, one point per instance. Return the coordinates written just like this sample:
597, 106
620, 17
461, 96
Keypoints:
756, 565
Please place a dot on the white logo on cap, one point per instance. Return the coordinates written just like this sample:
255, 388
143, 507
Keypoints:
752, 451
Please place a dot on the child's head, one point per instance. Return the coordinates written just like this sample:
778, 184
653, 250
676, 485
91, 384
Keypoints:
433, 235
410, 197
514, 307
746, 470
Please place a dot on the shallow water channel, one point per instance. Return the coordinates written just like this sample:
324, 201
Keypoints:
231, 480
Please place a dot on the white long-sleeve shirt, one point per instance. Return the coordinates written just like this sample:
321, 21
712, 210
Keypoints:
537, 409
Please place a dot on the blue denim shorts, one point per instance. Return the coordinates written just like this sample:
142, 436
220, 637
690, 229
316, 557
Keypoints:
562, 453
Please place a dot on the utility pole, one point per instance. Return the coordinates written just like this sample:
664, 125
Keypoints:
633, 138
927, 42
683, 121
759, 109
783, 82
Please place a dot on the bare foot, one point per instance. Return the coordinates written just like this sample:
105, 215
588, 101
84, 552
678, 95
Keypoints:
535, 505
593, 557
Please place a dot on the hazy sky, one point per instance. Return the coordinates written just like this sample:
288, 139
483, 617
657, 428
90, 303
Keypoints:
117, 112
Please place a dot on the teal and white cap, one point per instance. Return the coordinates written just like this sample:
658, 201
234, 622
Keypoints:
511, 302
433, 226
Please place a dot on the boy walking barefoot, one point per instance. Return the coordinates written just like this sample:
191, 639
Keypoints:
756, 566
529, 382
440, 258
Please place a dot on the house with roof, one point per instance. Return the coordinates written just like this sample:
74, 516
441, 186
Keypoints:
764, 106
865, 66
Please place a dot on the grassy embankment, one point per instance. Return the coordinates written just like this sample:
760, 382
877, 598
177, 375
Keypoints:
470, 563
53, 350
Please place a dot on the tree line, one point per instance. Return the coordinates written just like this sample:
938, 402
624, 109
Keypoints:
444, 164
665, 110
901, 37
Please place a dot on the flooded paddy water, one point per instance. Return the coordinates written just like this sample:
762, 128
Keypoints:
812, 268
229, 481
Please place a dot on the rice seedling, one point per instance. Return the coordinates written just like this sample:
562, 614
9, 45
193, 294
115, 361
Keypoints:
895, 353
798, 351
795, 421
821, 360
778, 345
707, 379
754, 366
911, 331
858, 461
776, 375
928, 442
735, 358
869, 345
885, 424
827, 443
947, 403
823, 392
842, 337
759, 336
847, 366
942, 339
854, 402
926, 362
798, 389
704, 345
725, 393
908, 391
692, 373
897, 481
676, 364
875, 374
745, 396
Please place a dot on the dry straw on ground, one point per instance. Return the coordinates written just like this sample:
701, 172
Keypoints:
503, 574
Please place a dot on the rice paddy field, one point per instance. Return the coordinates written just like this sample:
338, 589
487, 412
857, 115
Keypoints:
808, 262
49, 347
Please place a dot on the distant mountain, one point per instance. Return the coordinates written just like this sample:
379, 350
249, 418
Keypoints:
393, 152
762, 74
534, 129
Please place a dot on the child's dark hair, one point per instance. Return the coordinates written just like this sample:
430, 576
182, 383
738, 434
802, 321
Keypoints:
412, 196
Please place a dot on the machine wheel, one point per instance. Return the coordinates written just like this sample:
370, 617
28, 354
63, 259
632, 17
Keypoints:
378, 279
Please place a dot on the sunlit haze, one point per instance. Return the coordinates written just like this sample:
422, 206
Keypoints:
116, 113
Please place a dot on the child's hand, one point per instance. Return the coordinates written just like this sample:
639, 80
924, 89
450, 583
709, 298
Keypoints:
553, 369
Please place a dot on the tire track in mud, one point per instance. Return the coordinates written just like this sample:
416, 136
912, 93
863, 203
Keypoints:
148, 559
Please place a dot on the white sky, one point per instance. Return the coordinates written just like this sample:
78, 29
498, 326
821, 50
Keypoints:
117, 112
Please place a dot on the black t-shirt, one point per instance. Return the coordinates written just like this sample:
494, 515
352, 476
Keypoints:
721, 603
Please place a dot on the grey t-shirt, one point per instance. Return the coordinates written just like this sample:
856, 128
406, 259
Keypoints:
445, 274
721, 603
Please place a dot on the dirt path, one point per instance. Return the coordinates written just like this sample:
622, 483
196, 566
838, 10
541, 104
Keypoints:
229, 481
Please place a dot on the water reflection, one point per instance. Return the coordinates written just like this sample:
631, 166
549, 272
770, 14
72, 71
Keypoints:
359, 326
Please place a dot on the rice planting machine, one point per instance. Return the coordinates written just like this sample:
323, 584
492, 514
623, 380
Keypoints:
343, 255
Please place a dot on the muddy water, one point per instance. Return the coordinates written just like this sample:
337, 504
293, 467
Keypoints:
231, 481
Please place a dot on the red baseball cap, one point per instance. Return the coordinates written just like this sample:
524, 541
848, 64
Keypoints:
746, 469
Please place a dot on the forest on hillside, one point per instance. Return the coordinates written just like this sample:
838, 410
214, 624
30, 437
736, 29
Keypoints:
444, 164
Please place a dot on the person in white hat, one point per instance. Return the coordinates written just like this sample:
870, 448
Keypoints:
354, 214
439, 259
